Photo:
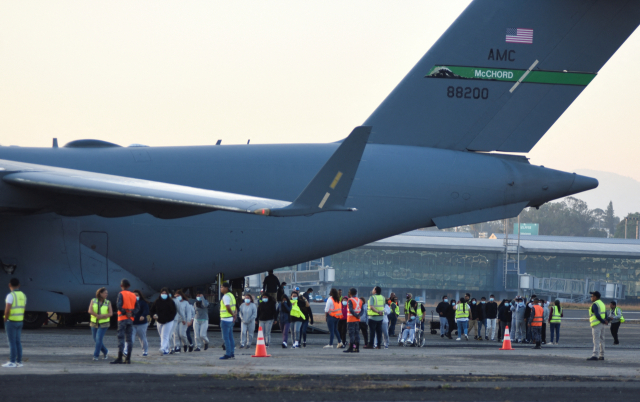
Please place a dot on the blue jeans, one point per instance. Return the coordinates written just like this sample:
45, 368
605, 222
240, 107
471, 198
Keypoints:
480, 324
14, 331
227, 334
98, 336
332, 323
555, 327
303, 331
463, 328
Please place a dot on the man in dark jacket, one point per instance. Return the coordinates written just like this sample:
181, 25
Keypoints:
443, 312
492, 318
482, 318
504, 315
164, 311
451, 317
271, 284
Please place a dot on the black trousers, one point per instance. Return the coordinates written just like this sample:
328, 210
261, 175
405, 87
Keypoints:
393, 319
342, 330
364, 328
375, 328
544, 332
452, 324
614, 331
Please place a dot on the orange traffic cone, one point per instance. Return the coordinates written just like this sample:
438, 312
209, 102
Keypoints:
506, 345
261, 350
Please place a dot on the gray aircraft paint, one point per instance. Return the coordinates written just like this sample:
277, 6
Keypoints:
406, 179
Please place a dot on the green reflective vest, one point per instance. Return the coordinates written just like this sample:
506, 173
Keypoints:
396, 310
462, 311
18, 305
557, 315
378, 304
417, 311
616, 312
295, 310
223, 309
104, 309
602, 311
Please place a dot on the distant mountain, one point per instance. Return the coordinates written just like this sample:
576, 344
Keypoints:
623, 191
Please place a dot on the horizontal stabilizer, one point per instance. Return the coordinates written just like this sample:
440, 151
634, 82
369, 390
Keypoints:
481, 215
329, 189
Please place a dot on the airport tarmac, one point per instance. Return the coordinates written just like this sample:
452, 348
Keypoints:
58, 364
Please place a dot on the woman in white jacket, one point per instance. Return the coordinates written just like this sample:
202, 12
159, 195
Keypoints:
248, 315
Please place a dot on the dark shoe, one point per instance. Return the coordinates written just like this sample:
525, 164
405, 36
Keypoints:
196, 350
600, 358
225, 357
441, 335
206, 346
593, 358
536, 347
127, 360
284, 345
357, 348
347, 351
367, 347
378, 347
185, 348
118, 360
304, 344
486, 338
449, 336
191, 348
616, 343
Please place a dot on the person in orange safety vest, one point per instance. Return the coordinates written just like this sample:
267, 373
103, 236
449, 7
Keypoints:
354, 312
537, 318
127, 307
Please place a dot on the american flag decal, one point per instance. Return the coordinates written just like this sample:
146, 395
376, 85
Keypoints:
519, 35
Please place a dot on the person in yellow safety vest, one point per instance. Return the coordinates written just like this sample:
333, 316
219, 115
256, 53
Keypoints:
597, 319
16, 302
615, 319
100, 310
296, 317
462, 318
227, 320
375, 313
555, 319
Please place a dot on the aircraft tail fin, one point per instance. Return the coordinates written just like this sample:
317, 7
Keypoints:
329, 189
503, 73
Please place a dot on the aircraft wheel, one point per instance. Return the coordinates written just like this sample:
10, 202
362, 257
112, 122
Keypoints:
34, 320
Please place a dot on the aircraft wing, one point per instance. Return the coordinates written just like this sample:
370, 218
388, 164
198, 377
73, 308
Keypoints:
37, 188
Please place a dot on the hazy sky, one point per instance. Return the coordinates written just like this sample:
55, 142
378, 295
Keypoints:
192, 72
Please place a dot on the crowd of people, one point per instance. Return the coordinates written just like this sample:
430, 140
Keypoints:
182, 324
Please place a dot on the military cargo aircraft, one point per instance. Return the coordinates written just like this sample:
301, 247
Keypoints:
444, 149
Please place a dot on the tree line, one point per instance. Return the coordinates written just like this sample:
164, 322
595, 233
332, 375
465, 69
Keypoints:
568, 217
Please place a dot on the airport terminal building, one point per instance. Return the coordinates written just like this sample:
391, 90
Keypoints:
430, 263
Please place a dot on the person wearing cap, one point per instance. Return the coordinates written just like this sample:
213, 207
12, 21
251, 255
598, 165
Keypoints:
537, 319
127, 308
228, 317
597, 319
306, 310
615, 319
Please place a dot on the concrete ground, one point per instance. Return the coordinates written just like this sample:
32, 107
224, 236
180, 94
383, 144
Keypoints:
59, 366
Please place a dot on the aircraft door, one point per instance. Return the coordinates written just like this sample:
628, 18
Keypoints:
94, 258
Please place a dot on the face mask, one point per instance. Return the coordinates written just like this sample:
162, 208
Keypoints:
179, 298
453, 304
483, 302
446, 300
137, 298
344, 303
199, 298
247, 301
164, 296
521, 304
265, 299
491, 299
294, 298
507, 304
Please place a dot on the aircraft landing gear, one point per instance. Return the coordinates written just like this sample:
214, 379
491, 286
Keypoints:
34, 320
